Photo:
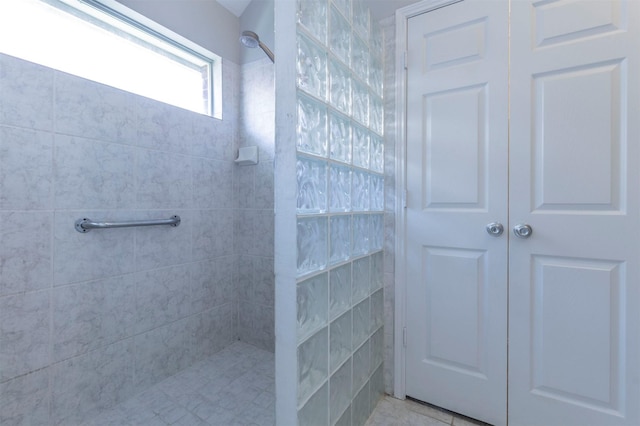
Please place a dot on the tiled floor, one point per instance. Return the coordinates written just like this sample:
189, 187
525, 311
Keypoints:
394, 412
235, 387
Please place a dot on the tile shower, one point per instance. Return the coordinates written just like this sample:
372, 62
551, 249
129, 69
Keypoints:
89, 320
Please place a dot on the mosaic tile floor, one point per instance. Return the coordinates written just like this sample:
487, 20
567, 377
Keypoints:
235, 387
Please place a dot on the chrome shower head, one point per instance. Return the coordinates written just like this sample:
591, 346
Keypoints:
251, 39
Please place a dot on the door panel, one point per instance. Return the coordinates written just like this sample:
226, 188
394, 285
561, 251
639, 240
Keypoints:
457, 173
573, 285
456, 289
579, 104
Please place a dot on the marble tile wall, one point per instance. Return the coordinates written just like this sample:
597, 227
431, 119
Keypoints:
253, 204
88, 320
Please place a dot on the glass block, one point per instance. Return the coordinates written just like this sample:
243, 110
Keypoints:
360, 234
376, 75
341, 393
312, 244
340, 35
312, 295
377, 271
377, 193
340, 193
361, 325
377, 311
312, 185
360, 58
340, 240
339, 137
339, 290
344, 6
360, 96
313, 364
312, 14
376, 148
377, 232
361, 280
361, 153
359, 191
376, 38
315, 410
361, 366
360, 18
312, 126
361, 406
311, 67
340, 340
376, 114
377, 349
376, 386
340, 86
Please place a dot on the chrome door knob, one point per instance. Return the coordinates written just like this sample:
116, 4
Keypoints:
522, 230
495, 229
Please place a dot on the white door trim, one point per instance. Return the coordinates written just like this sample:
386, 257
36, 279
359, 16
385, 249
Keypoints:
400, 293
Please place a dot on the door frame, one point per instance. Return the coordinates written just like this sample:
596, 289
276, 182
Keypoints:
400, 292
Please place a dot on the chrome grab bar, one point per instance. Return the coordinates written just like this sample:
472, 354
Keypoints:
85, 225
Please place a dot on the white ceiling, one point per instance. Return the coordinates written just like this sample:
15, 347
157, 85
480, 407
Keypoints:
235, 6
379, 8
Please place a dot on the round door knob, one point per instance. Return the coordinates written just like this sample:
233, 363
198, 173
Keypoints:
495, 229
522, 230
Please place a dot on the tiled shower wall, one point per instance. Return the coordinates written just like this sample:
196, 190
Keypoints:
340, 221
87, 320
254, 207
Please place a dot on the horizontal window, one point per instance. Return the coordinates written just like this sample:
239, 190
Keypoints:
102, 40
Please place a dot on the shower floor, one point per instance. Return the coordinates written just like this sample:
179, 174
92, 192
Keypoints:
234, 387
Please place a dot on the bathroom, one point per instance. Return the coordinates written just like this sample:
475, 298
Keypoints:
286, 294
93, 320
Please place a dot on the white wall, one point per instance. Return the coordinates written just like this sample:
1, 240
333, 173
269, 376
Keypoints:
204, 22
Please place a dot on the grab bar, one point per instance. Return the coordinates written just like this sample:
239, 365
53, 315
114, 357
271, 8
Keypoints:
85, 225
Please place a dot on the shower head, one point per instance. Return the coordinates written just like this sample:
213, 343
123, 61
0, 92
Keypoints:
251, 39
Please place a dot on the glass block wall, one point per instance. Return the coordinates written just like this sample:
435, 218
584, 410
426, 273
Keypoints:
340, 203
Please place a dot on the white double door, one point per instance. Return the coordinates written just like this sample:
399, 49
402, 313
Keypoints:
525, 113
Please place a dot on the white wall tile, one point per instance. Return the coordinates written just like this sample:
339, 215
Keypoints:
160, 246
25, 400
26, 251
26, 164
211, 187
91, 315
97, 380
162, 296
162, 352
93, 175
96, 254
93, 110
212, 283
163, 180
24, 333
26, 90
